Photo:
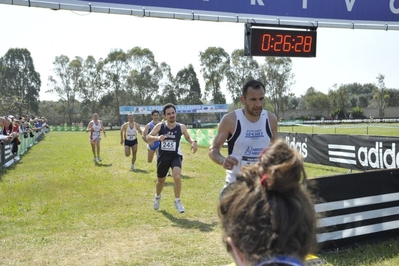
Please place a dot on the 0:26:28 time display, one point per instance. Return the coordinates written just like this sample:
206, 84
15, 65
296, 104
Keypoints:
286, 43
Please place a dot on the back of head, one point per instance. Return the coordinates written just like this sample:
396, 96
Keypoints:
268, 212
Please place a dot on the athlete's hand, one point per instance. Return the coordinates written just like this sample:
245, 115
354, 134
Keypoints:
194, 147
121, 142
161, 137
230, 162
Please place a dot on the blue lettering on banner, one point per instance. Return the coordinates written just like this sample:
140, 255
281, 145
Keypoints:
369, 10
205, 108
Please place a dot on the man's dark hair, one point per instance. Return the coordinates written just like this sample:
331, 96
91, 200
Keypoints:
167, 106
154, 111
256, 84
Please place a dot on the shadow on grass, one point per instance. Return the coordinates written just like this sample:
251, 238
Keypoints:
140, 171
190, 224
103, 164
185, 177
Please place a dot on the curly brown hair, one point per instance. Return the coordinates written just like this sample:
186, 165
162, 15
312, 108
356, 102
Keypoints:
268, 211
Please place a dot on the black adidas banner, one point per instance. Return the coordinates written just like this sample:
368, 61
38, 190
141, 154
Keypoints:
346, 151
357, 208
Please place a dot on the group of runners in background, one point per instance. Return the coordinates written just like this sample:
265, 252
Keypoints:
257, 178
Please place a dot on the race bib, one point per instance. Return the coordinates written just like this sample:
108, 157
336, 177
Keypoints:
249, 160
168, 145
130, 137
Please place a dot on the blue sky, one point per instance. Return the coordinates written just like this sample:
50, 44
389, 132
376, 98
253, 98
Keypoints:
343, 55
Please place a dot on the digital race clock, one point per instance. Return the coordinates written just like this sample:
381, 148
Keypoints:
280, 42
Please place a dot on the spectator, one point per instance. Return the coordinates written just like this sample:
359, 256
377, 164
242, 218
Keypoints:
267, 215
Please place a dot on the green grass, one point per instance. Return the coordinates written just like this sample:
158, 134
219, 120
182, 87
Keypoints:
58, 208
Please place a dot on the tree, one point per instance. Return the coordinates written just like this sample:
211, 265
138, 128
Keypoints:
276, 72
381, 95
19, 81
339, 100
188, 86
214, 65
242, 69
315, 100
144, 75
95, 83
67, 82
116, 71
169, 92
393, 100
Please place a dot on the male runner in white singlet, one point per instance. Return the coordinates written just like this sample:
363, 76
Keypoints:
129, 138
248, 131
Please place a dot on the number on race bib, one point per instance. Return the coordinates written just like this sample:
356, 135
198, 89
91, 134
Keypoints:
168, 145
249, 160
131, 137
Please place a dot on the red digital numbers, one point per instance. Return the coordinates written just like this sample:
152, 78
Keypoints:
272, 42
286, 43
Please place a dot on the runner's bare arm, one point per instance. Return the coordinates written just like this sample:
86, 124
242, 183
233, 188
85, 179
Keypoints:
122, 132
274, 126
145, 132
138, 128
226, 127
152, 136
187, 136
89, 127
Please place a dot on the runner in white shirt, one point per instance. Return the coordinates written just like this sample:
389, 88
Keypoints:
248, 131
129, 138
95, 127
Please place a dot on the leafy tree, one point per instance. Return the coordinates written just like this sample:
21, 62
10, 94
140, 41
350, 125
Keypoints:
19, 81
293, 101
357, 112
242, 69
276, 72
116, 70
393, 100
214, 65
188, 86
144, 75
170, 93
315, 100
95, 84
67, 82
381, 95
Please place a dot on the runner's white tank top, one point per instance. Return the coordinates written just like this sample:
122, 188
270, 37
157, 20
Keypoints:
96, 128
248, 141
131, 133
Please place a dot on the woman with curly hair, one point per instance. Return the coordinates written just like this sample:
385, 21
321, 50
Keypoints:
267, 215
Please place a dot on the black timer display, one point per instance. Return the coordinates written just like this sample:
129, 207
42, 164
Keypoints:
280, 42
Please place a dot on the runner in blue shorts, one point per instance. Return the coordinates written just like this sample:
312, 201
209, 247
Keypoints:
152, 147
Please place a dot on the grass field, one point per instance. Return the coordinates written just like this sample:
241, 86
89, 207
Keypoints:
59, 208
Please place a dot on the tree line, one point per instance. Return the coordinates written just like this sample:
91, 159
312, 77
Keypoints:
133, 77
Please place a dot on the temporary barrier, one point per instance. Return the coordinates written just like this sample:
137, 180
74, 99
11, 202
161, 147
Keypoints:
346, 151
7, 158
358, 208
204, 137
